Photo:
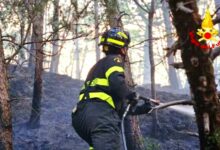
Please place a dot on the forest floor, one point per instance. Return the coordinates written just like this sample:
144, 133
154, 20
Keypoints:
60, 94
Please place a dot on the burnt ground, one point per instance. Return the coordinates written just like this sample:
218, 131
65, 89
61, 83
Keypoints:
60, 94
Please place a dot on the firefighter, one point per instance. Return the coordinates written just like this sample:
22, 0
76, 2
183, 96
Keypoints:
104, 94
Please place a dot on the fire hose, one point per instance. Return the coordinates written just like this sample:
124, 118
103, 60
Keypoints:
126, 112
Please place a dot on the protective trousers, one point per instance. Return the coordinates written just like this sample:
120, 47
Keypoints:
98, 124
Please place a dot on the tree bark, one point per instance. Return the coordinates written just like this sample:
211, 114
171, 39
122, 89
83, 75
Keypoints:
152, 65
200, 74
55, 59
133, 134
5, 112
217, 5
32, 53
112, 9
151, 54
34, 121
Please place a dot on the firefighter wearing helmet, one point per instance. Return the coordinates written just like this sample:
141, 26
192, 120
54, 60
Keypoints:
104, 95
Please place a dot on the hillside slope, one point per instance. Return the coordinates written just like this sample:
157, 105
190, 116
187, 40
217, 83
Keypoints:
56, 133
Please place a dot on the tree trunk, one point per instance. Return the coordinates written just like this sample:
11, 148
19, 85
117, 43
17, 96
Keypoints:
146, 49
217, 5
77, 55
76, 41
97, 31
152, 65
21, 58
132, 130
55, 59
146, 59
173, 79
112, 10
200, 74
34, 121
133, 134
5, 112
151, 54
32, 53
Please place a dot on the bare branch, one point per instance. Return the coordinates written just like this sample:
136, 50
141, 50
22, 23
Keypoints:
143, 42
175, 46
139, 5
215, 11
143, 1
80, 13
178, 65
22, 45
85, 8
50, 40
181, 6
135, 62
178, 102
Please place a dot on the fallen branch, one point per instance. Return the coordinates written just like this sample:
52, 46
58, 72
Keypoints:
168, 104
181, 6
189, 133
18, 98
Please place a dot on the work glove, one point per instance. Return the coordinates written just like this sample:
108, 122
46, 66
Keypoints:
133, 98
141, 108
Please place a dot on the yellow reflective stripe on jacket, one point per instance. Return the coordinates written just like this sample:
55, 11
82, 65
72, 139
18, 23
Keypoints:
102, 39
113, 69
97, 81
117, 42
100, 95
91, 148
81, 96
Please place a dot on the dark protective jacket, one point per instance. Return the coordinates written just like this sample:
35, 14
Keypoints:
96, 119
106, 82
